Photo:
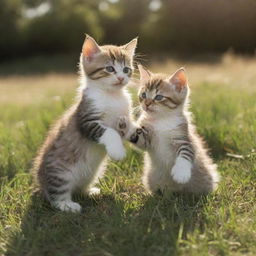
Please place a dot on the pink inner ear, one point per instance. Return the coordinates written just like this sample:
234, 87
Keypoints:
144, 73
179, 80
90, 48
182, 78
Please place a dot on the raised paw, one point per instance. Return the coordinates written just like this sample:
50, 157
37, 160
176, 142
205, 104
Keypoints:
141, 136
113, 143
181, 171
122, 122
116, 151
135, 136
115, 147
122, 125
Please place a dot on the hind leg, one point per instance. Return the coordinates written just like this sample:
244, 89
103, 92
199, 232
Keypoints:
204, 179
91, 189
151, 180
59, 188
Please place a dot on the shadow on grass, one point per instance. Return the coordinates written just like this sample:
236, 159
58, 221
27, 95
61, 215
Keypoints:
169, 219
108, 227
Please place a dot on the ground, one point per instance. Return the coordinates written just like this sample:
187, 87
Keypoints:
124, 220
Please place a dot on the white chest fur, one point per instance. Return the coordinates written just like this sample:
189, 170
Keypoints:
166, 124
164, 131
111, 104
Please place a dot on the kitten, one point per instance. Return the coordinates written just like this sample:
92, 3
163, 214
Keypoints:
176, 159
73, 154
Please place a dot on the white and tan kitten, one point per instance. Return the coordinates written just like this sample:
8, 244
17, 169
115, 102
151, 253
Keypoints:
73, 154
175, 158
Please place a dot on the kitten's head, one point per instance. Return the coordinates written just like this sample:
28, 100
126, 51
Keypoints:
109, 66
161, 93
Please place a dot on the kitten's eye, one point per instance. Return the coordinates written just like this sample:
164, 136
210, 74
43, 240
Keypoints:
159, 97
126, 70
143, 95
110, 69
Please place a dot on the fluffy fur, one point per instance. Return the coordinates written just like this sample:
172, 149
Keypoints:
175, 158
73, 155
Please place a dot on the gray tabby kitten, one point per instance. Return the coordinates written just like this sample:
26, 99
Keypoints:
73, 154
175, 158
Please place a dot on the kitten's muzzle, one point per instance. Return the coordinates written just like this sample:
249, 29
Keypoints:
120, 81
147, 104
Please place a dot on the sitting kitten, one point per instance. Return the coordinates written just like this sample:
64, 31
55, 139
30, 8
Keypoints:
176, 159
73, 154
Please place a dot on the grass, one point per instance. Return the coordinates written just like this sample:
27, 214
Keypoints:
124, 220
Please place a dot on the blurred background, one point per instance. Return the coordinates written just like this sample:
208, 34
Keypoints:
179, 27
40, 40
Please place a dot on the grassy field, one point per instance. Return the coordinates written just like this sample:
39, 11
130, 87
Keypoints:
124, 220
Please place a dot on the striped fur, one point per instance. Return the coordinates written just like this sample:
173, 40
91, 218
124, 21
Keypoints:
157, 85
89, 120
109, 55
186, 151
176, 158
73, 154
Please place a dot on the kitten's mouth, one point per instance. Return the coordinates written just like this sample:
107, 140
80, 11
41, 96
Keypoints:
118, 84
147, 109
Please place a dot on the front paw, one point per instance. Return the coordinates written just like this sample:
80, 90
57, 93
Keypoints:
116, 151
142, 136
181, 171
113, 143
122, 125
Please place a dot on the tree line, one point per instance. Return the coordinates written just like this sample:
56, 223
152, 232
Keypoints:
36, 27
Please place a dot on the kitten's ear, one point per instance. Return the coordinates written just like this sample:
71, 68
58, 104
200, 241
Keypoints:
90, 48
178, 79
131, 46
144, 74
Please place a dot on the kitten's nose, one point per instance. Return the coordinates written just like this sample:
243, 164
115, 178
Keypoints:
121, 79
148, 102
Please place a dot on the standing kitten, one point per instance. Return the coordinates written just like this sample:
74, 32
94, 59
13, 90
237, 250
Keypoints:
176, 159
73, 154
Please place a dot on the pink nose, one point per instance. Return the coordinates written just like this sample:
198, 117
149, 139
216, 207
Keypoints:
148, 102
121, 79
